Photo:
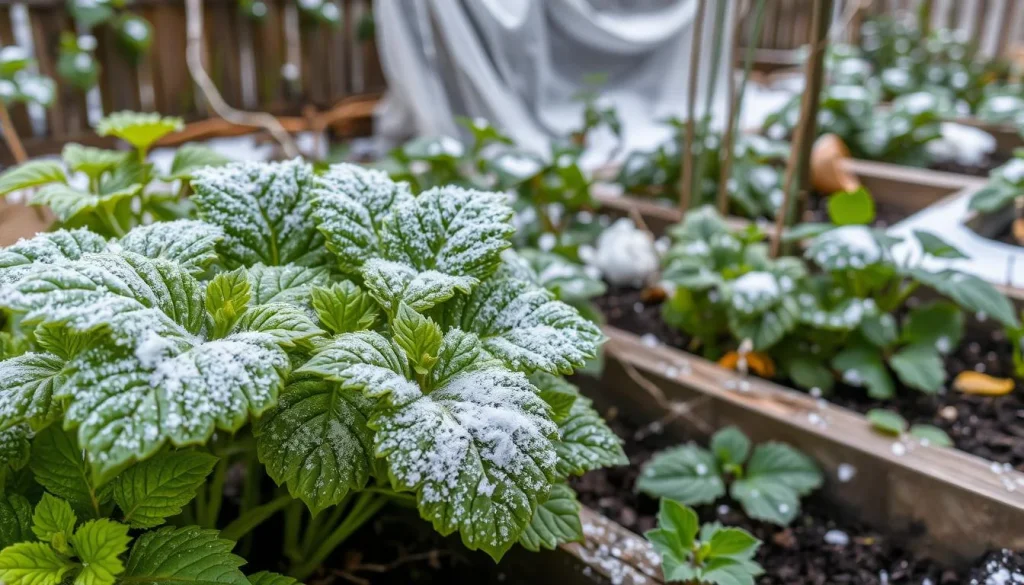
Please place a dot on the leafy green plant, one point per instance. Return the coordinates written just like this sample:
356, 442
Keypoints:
1005, 185
356, 342
834, 310
18, 84
112, 191
709, 554
134, 36
767, 482
892, 423
322, 12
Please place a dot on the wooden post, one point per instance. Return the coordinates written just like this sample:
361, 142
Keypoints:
11, 135
687, 147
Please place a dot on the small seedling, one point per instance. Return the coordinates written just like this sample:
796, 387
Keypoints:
711, 554
768, 485
890, 423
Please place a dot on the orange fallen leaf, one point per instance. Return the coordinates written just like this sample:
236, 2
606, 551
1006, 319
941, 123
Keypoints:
759, 363
971, 382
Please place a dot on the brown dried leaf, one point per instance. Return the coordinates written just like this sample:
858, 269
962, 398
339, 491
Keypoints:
971, 382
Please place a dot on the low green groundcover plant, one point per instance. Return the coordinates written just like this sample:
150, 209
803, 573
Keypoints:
767, 482
354, 342
841, 309
709, 554
1005, 186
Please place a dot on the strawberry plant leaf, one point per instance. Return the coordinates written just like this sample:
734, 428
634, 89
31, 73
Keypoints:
555, 522
938, 324
269, 578
557, 392
933, 245
344, 307
265, 210
851, 208
586, 442
287, 325
53, 516
30, 380
91, 161
418, 336
192, 244
773, 481
861, 365
931, 435
730, 446
317, 441
141, 130
189, 158
687, 474
183, 555
99, 544
32, 563
70, 205
391, 283
887, 421
31, 174
59, 465
970, 292
47, 248
919, 366
153, 490
284, 284
15, 519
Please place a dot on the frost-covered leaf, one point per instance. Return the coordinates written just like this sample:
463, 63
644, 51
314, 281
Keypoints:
99, 545
284, 284
586, 442
286, 324
139, 129
32, 563
29, 381
182, 556
687, 474
128, 403
31, 174
477, 449
557, 392
861, 365
192, 157
127, 294
53, 516
353, 205
848, 247
774, 480
971, 293
317, 441
344, 307
192, 244
48, 248
365, 361
153, 490
91, 161
418, 336
265, 211
67, 203
15, 519
524, 325
555, 522
58, 464
391, 283
569, 281
15, 449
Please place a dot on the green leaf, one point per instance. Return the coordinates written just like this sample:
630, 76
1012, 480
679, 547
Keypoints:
47, 248
227, 297
971, 293
32, 563
555, 522
938, 324
183, 555
568, 280
732, 541
91, 161
31, 174
30, 380
674, 539
15, 519
808, 372
686, 474
861, 365
344, 307
919, 366
364, 361
477, 449
141, 130
887, 421
418, 336
586, 442
931, 435
317, 441
848, 247
524, 325
265, 210
773, 481
192, 244
99, 544
851, 208
730, 446
284, 284
68, 203
805, 231
192, 157
59, 465
53, 516
879, 329
153, 490
557, 392
933, 245
289, 326
353, 205
391, 283
268, 578
993, 198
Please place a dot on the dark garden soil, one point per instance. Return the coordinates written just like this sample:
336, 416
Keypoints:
990, 427
980, 170
817, 549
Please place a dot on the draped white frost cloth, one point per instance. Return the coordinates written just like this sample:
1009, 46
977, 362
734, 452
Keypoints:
518, 63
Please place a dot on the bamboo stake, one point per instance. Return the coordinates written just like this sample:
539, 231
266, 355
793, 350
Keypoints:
800, 155
709, 93
11, 135
686, 151
736, 101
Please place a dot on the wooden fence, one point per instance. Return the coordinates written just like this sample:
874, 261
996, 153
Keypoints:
997, 25
280, 64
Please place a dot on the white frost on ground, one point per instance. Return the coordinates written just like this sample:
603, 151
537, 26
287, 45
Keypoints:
964, 144
624, 254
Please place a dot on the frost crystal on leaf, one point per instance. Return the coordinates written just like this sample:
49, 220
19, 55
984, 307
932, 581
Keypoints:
29, 382
50, 248
190, 243
284, 284
390, 283
265, 210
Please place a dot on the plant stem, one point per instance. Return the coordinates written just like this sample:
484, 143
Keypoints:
112, 222
365, 506
292, 522
11, 135
253, 517
216, 491
686, 151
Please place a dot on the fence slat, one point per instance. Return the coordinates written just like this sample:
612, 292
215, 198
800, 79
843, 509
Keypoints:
18, 112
